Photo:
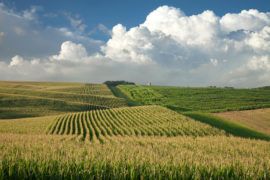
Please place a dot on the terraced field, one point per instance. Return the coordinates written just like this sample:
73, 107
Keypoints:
31, 99
129, 121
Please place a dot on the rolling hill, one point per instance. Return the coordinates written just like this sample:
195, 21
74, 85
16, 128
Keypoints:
32, 99
198, 99
63, 130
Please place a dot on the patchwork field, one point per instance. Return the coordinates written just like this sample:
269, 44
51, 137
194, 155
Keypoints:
83, 131
258, 119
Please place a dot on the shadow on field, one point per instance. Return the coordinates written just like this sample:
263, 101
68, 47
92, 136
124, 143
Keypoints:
233, 128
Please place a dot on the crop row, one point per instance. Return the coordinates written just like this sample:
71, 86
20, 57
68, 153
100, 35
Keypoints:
129, 121
104, 101
93, 89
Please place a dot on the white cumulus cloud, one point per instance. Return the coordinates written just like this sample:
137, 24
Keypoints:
16, 61
71, 52
168, 48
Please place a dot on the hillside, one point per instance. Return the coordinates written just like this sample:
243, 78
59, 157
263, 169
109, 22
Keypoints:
196, 103
86, 132
258, 119
31, 99
129, 121
198, 99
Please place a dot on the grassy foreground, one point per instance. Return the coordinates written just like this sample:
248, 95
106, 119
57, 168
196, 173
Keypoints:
58, 157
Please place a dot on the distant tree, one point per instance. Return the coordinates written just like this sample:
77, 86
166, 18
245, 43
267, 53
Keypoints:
116, 83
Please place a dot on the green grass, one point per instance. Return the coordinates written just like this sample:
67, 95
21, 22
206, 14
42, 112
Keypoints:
198, 99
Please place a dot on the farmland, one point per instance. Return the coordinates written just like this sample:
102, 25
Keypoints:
134, 121
182, 157
32, 99
53, 130
199, 99
258, 119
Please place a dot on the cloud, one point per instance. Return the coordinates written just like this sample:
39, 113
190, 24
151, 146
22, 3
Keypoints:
16, 61
168, 48
256, 72
24, 34
76, 22
31, 14
214, 62
104, 29
251, 20
71, 52
180, 43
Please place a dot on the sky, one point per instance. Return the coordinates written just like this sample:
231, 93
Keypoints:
176, 43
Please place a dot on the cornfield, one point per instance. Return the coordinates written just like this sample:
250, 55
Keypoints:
182, 157
129, 121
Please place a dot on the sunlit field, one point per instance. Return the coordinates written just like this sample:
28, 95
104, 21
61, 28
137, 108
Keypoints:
92, 134
182, 157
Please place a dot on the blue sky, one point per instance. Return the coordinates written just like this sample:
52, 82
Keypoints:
181, 43
127, 12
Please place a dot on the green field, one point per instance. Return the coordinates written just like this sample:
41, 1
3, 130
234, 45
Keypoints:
198, 99
52, 130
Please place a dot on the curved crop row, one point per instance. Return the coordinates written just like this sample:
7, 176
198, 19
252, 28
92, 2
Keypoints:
130, 121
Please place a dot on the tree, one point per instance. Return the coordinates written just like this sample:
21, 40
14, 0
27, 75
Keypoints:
116, 83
